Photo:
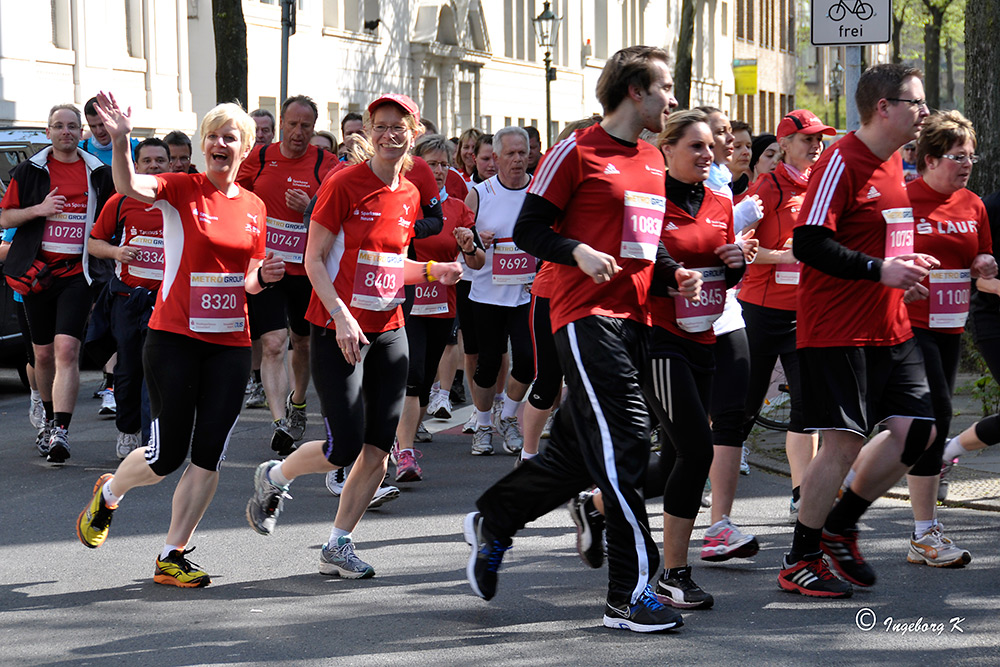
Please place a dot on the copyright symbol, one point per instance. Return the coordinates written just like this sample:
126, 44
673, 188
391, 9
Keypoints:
865, 619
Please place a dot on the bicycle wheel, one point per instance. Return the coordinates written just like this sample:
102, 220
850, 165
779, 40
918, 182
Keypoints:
865, 11
837, 12
775, 413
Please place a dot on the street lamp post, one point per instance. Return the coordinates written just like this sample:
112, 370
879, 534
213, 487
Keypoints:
546, 27
836, 81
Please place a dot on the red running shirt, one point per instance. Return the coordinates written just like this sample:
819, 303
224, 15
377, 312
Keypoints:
781, 195
436, 299
142, 228
63, 237
209, 242
286, 232
953, 228
856, 195
372, 225
587, 177
692, 242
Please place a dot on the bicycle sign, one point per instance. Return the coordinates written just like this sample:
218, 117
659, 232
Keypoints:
848, 22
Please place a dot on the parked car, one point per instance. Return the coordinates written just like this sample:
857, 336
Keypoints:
22, 144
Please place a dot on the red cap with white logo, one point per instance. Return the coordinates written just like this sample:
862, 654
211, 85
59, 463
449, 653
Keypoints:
804, 121
402, 101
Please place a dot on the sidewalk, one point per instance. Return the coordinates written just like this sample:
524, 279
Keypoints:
973, 483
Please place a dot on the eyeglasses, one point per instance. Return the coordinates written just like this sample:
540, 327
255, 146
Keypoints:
395, 129
962, 159
913, 103
910, 147
435, 164
59, 127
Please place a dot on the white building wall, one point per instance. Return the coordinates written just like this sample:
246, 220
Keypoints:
86, 51
482, 67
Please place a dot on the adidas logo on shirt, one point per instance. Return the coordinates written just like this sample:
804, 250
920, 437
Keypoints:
669, 227
611, 169
872, 193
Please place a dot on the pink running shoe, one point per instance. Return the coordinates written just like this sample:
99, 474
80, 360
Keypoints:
407, 468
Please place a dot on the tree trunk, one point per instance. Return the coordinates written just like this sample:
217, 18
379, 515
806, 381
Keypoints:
897, 32
932, 60
949, 72
982, 90
230, 51
932, 50
685, 60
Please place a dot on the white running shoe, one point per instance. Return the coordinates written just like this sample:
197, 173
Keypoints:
439, 406
482, 441
36, 413
510, 431
497, 412
547, 429
936, 550
126, 443
383, 495
472, 423
422, 435
109, 408
335, 481
744, 466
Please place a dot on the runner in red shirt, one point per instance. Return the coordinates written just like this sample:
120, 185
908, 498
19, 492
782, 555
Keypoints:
859, 364
286, 175
131, 233
698, 232
429, 323
952, 225
197, 353
53, 199
771, 283
592, 186
361, 226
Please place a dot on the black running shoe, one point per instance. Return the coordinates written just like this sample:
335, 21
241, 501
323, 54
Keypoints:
647, 614
847, 558
811, 577
457, 393
487, 554
676, 588
589, 529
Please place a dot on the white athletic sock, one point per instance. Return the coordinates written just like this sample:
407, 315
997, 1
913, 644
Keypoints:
36, 395
509, 407
436, 386
484, 417
110, 499
444, 393
167, 548
921, 528
336, 534
953, 449
525, 455
276, 478
408, 449
850, 478
499, 397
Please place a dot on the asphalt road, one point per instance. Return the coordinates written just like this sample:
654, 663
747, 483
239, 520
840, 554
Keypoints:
61, 603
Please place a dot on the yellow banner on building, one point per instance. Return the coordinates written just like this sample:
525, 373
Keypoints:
745, 73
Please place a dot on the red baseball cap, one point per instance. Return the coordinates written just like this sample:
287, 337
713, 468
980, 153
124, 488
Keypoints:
804, 121
402, 101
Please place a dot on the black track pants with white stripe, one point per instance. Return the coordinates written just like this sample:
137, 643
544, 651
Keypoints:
601, 437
